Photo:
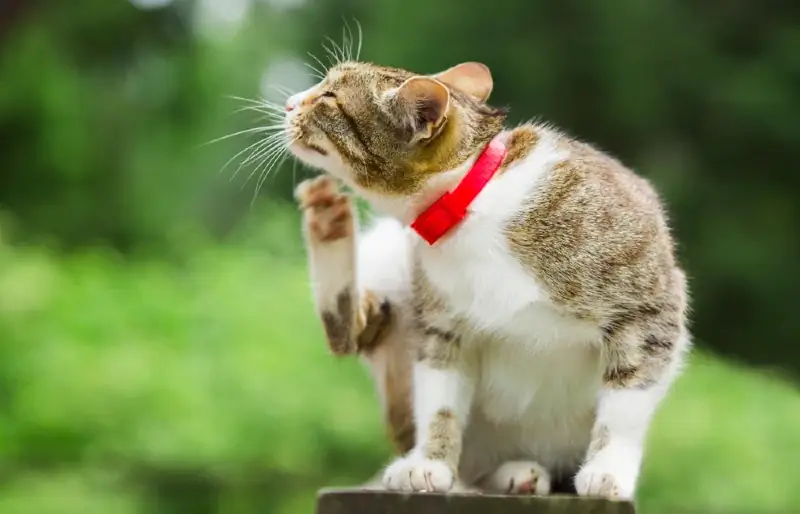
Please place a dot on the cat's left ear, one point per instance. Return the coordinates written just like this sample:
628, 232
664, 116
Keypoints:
421, 105
471, 78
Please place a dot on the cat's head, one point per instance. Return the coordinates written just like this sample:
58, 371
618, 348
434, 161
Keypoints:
388, 130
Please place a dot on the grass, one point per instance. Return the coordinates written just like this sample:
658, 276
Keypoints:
116, 376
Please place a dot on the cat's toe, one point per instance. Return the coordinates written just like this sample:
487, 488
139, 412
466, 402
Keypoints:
610, 480
521, 477
414, 474
316, 192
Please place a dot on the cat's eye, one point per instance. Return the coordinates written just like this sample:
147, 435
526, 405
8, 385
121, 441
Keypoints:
328, 94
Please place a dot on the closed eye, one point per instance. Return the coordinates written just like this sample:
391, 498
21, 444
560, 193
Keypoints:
328, 94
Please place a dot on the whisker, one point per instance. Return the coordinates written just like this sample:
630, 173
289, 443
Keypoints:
241, 99
274, 109
314, 71
331, 55
347, 41
270, 115
260, 103
360, 39
271, 106
267, 155
246, 131
227, 163
338, 52
269, 145
276, 163
262, 178
324, 68
266, 148
281, 89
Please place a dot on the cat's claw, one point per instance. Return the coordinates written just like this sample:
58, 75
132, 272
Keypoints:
520, 477
416, 474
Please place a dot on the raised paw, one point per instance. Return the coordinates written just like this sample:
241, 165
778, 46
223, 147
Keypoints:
416, 474
598, 480
328, 213
520, 477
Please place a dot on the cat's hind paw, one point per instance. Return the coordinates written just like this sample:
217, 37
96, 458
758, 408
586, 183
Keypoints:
520, 477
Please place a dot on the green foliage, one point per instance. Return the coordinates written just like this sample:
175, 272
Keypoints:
142, 370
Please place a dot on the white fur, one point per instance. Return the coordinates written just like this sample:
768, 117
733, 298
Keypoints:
416, 473
336, 258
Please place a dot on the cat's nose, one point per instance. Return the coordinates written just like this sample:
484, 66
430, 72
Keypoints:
289, 107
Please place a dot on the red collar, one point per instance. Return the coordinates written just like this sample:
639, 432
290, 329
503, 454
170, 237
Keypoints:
446, 212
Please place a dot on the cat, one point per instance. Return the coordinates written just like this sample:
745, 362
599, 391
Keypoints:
528, 349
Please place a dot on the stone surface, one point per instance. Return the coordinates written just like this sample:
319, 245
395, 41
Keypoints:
364, 501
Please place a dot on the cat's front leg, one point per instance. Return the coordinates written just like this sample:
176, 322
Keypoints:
353, 320
443, 390
642, 355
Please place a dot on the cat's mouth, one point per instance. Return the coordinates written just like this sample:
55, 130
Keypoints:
311, 147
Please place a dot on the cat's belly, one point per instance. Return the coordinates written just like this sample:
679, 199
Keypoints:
531, 403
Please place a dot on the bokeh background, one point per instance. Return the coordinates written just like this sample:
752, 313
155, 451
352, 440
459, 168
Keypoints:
158, 350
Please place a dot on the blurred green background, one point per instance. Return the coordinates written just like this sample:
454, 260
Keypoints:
158, 350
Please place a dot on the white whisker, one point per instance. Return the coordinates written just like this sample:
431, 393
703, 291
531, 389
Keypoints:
337, 52
281, 90
266, 148
256, 108
269, 145
331, 55
314, 71
360, 39
266, 128
273, 150
324, 68
227, 163
275, 163
347, 41
241, 99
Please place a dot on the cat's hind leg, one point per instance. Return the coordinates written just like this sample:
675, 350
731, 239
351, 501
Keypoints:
643, 352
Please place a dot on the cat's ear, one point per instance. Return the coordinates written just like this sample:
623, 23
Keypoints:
421, 105
471, 78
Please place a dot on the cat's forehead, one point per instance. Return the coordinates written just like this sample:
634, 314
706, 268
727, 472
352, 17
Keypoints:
359, 74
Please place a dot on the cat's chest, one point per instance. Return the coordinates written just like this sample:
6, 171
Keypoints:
479, 279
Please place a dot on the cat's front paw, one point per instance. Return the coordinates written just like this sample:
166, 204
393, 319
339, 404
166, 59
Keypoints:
328, 213
520, 477
607, 477
417, 474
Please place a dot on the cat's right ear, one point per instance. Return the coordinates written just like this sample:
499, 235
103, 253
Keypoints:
421, 105
471, 78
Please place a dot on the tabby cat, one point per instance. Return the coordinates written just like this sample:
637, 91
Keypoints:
527, 350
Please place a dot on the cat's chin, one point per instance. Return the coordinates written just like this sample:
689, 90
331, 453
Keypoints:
320, 159
312, 156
